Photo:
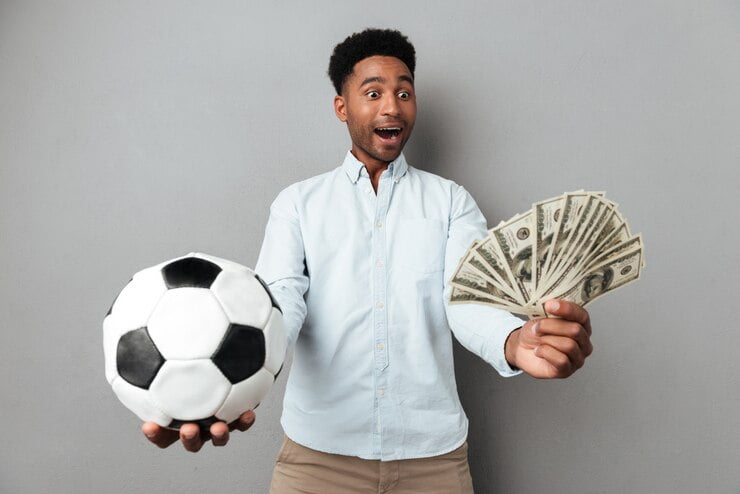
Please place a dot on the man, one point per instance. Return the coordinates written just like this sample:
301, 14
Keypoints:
359, 259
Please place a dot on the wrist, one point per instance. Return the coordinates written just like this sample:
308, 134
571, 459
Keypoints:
510, 348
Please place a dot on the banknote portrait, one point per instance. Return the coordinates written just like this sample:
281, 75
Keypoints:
596, 283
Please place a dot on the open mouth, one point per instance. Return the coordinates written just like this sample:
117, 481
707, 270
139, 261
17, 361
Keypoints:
388, 133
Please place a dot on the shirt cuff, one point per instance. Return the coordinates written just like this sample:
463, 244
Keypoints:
496, 346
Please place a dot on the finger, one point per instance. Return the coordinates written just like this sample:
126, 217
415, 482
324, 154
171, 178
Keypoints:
244, 421
569, 311
561, 364
190, 437
569, 329
528, 333
567, 346
159, 435
219, 433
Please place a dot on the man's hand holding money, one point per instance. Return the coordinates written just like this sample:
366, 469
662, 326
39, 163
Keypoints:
553, 347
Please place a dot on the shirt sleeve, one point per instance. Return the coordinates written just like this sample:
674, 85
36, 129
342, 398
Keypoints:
482, 329
282, 262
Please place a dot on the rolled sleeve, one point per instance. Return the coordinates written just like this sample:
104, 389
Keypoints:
282, 265
480, 328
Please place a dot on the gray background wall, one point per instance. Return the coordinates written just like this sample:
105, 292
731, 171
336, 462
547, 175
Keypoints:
132, 132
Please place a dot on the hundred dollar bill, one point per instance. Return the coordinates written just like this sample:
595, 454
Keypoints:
530, 311
573, 277
473, 259
489, 252
613, 222
588, 227
470, 279
593, 218
634, 242
582, 224
578, 257
546, 214
572, 208
607, 240
460, 295
605, 278
515, 239
619, 236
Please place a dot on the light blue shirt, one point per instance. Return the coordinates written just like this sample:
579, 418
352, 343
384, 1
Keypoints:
361, 279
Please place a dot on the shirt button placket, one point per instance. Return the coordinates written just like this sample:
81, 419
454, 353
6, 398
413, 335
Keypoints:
380, 276
380, 313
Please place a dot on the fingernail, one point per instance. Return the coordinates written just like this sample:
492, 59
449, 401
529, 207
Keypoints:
534, 327
554, 305
188, 435
150, 435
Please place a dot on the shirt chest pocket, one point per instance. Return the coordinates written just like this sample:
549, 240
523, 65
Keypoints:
418, 244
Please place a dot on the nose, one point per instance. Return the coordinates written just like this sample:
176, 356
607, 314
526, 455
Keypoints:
390, 105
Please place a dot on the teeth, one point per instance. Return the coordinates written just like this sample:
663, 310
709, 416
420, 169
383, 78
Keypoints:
389, 128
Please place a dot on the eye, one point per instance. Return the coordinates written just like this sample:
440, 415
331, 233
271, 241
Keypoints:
404, 95
372, 94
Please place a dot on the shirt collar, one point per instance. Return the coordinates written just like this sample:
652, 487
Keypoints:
354, 167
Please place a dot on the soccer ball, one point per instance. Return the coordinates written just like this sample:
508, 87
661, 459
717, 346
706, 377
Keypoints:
194, 339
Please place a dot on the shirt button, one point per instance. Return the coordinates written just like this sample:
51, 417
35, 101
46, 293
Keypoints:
379, 305
368, 190
380, 346
379, 224
380, 392
379, 263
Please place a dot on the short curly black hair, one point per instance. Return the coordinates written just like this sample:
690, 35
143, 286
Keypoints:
367, 43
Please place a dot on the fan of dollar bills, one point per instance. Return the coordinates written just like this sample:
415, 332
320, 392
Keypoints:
575, 247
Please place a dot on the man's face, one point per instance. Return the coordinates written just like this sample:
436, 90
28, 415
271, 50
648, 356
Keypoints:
378, 104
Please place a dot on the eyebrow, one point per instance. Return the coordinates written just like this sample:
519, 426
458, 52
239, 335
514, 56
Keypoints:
382, 80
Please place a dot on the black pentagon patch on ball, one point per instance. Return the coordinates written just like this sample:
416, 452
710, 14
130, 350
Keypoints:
137, 358
110, 309
272, 299
190, 272
203, 424
241, 352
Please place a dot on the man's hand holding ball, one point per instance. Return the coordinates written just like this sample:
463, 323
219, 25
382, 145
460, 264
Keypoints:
189, 434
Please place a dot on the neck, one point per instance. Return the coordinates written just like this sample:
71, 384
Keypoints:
373, 166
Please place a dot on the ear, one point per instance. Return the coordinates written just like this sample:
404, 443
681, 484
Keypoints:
340, 108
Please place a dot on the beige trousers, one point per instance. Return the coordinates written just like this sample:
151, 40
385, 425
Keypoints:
299, 469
